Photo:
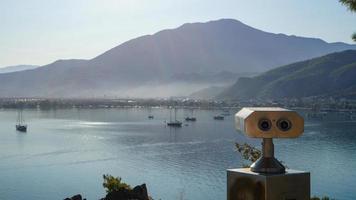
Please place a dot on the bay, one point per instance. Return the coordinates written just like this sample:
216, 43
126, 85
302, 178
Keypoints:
66, 152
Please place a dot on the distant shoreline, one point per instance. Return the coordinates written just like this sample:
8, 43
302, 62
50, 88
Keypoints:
313, 105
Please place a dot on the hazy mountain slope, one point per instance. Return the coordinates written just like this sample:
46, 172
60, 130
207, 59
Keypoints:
17, 68
152, 61
330, 75
52, 79
208, 93
224, 45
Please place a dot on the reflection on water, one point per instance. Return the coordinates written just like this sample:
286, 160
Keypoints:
66, 152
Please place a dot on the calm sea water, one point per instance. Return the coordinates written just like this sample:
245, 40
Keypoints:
66, 152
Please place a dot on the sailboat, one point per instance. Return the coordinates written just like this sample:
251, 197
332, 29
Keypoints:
174, 123
21, 126
191, 118
150, 116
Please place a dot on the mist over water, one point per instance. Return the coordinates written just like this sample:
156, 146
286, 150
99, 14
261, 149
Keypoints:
162, 90
66, 152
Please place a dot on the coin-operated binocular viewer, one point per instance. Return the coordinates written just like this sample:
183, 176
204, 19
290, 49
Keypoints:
267, 178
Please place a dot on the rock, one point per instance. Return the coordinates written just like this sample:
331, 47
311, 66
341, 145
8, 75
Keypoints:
75, 197
138, 193
141, 190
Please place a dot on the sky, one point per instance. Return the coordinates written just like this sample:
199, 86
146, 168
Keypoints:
38, 32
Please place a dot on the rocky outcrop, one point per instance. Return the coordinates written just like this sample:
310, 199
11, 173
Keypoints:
75, 197
137, 193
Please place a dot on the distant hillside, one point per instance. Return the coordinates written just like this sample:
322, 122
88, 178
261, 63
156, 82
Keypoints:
17, 68
330, 75
208, 93
170, 62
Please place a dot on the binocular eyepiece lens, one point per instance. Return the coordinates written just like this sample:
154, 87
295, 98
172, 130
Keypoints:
284, 124
264, 124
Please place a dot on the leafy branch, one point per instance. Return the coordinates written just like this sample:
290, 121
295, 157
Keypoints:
351, 5
248, 152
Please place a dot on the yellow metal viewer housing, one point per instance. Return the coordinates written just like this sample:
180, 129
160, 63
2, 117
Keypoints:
269, 122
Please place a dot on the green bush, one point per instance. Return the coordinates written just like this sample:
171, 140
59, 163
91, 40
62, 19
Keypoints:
248, 152
112, 184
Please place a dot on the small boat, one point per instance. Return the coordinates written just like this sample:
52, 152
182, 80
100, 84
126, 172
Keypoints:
192, 119
175, 122
21, 126
150, 115
219, 117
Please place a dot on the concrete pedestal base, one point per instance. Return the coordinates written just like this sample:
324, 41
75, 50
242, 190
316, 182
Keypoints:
242, 184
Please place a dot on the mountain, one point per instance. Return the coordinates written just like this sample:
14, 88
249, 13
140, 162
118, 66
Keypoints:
171, 62
16, 68
330, 75
208, 93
